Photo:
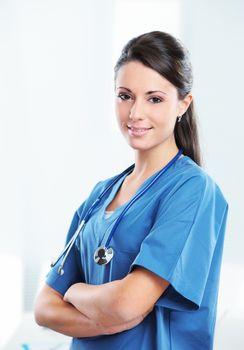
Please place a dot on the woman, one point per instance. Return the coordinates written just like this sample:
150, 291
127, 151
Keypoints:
143, 271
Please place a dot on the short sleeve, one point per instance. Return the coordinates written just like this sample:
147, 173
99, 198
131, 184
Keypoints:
180, 245
72, 269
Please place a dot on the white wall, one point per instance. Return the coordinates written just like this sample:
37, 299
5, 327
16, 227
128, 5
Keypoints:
55, 76
213, 31
57, 121
57, 114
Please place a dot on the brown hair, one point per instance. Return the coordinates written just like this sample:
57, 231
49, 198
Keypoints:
166, 55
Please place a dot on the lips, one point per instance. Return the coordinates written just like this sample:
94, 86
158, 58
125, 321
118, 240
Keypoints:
135, 131
138, 129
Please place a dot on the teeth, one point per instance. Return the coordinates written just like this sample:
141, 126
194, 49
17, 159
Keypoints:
139, 129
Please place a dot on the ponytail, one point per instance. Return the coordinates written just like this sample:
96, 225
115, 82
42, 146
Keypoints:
186, 135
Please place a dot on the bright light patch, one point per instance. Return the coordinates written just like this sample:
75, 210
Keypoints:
11, 301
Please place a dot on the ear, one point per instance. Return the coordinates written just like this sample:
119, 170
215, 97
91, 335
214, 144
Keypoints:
185, 103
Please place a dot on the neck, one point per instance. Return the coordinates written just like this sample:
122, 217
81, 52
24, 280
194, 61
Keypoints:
150, 161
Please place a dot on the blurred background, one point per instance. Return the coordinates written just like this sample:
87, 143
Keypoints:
58, 134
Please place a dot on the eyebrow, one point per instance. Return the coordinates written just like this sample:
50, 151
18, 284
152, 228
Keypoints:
147, 93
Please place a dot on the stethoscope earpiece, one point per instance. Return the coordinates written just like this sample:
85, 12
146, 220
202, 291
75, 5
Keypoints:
60, 271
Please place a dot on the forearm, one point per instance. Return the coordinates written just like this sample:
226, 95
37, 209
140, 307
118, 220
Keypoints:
96, 302
106, 304
119, 301
53, 312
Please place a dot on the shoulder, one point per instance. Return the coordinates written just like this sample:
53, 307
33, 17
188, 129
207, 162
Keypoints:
96, 191
104, 183
188, 170
188, 193
101, 186
190, 179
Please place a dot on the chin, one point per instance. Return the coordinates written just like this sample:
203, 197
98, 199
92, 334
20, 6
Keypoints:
137, 147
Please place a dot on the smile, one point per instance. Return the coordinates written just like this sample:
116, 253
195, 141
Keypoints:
138, 131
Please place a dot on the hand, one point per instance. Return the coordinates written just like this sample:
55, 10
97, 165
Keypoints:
66, 296
73, 292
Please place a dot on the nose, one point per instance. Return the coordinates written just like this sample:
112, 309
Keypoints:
137, 111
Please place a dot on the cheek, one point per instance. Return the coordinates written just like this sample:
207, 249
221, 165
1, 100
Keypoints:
165, 122
121, 112
169, 124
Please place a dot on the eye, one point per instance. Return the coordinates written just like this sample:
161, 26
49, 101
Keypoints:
155, 99
123, 97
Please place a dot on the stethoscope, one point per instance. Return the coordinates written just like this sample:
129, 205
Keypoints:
104, 254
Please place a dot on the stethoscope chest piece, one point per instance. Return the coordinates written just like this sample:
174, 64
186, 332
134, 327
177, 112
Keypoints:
103, 255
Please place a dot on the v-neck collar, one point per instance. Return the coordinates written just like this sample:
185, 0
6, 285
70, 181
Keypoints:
115, 191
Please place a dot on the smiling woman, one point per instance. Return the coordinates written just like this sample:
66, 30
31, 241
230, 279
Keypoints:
126, 280
151, 113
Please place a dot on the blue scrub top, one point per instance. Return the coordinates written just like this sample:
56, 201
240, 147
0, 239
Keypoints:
176, 230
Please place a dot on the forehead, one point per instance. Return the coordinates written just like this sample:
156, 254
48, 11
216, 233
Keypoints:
136, 76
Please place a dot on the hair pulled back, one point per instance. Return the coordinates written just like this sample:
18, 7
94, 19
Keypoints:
166, 55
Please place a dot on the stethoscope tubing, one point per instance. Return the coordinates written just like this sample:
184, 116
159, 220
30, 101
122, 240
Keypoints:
68, 247
65, 252
133, 200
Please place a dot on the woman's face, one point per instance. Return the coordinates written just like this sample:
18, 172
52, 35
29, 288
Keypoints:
146, 106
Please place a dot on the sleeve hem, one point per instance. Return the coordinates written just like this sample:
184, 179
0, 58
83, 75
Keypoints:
174, 297
59, 290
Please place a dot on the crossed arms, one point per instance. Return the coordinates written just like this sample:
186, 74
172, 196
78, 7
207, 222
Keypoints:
90, 310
